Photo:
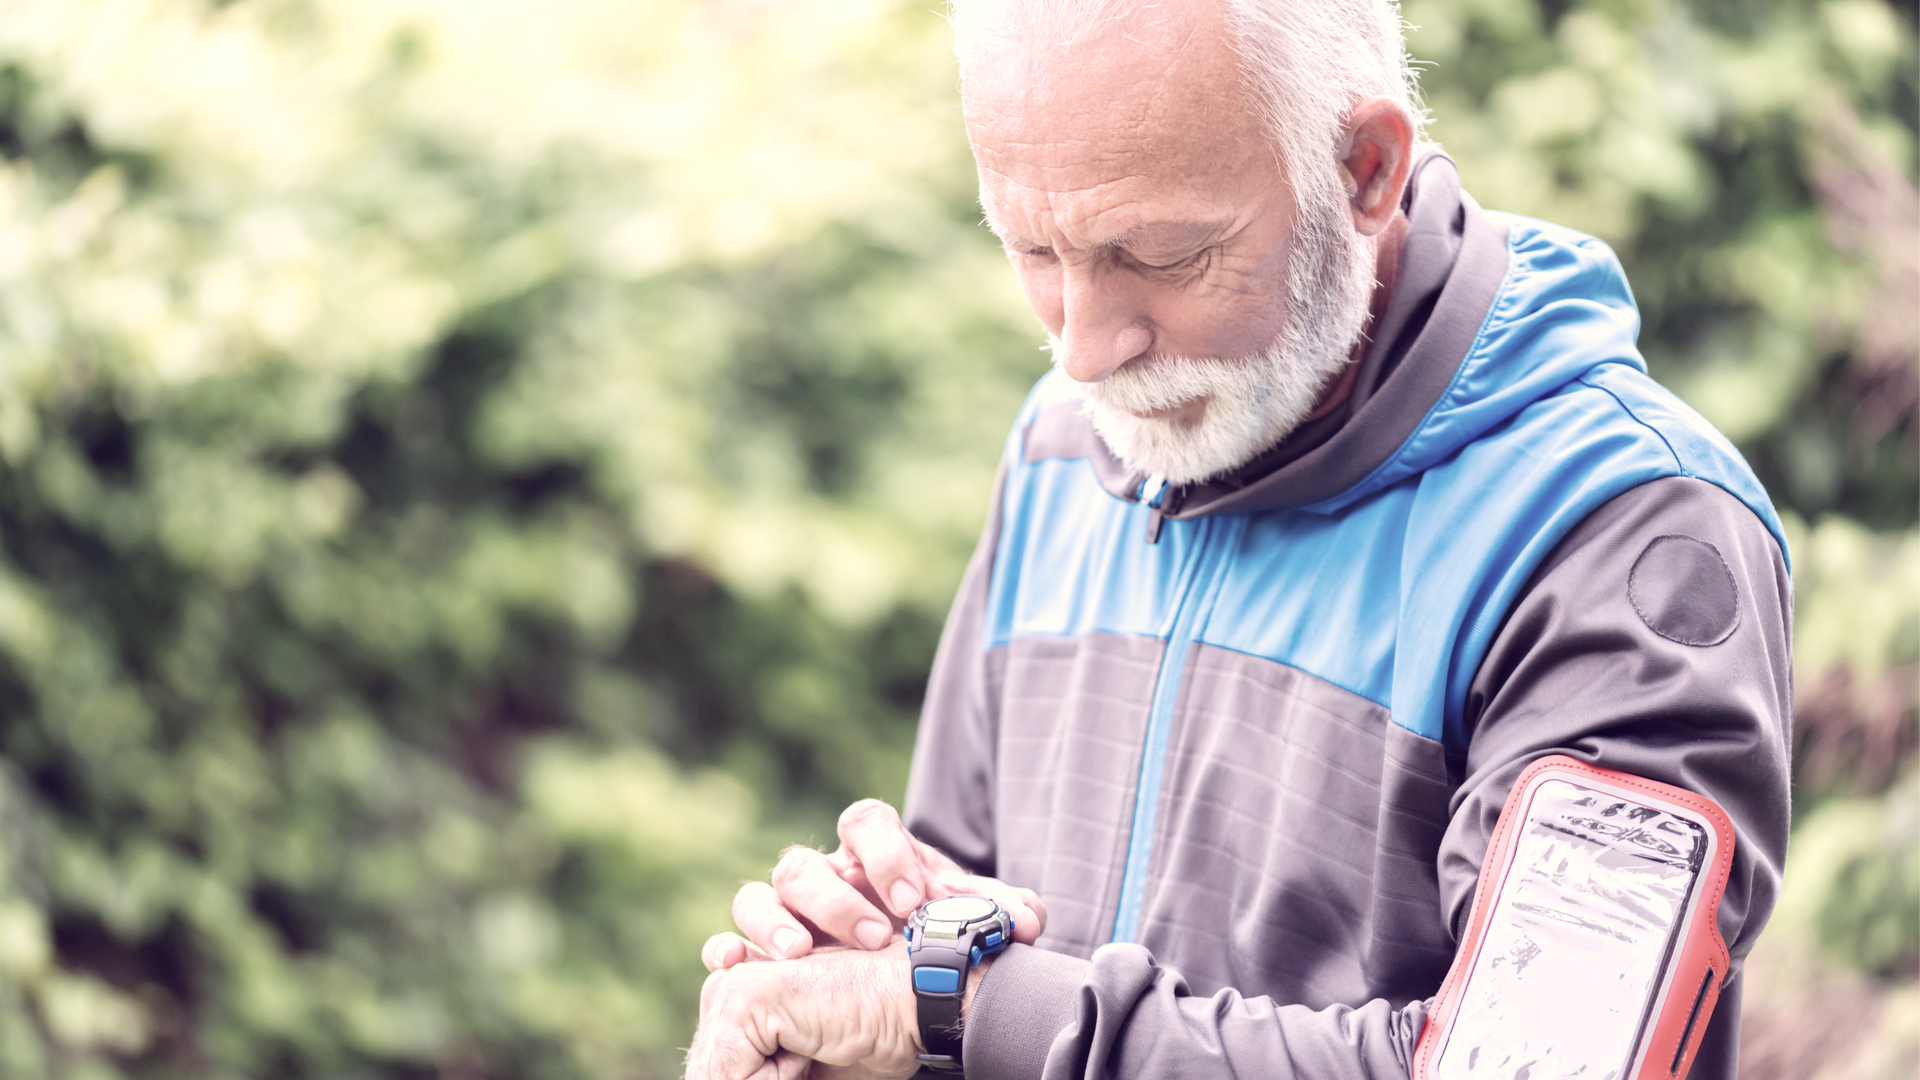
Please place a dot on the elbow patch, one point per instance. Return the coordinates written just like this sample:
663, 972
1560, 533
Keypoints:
1592, 948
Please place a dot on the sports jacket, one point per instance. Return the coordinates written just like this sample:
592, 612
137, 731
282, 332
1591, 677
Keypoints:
1248, 739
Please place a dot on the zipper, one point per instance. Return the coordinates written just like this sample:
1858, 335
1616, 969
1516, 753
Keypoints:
1162, 499
1213, 538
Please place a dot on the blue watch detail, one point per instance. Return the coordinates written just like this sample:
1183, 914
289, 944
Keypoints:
933, 980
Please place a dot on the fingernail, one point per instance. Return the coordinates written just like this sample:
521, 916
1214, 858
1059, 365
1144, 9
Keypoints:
784, 939
905, 896
873, 934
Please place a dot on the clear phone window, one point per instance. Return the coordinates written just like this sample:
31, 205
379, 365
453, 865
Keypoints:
1574, 951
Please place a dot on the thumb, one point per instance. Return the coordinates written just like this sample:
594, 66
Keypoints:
1024, 906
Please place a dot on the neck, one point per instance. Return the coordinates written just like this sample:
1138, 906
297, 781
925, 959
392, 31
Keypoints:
1386, 272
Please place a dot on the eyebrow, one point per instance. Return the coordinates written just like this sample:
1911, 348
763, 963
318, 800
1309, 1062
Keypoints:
1173, 235
1162, 234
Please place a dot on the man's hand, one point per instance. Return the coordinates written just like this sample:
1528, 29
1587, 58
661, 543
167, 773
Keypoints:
858, 896
839, 1007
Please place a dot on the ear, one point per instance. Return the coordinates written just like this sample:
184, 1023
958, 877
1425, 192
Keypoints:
1374, 159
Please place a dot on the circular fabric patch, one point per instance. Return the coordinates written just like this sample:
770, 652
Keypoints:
1683, 591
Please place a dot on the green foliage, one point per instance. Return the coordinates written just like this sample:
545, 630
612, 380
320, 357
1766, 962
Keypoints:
473, 487
475, 481
1856, 880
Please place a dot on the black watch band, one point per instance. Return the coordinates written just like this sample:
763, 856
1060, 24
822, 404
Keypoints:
945, 939
940, 1030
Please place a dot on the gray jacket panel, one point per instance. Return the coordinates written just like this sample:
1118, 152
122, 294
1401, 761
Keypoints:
950, 785
1298, 832
1073, 721
1316, 861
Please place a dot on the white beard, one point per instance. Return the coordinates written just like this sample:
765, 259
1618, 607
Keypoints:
1252, 402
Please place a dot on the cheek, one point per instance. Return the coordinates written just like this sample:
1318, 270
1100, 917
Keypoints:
1238, 311
1227, 331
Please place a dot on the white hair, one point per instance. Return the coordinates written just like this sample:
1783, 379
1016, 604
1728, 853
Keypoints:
1311, 61
1307, 62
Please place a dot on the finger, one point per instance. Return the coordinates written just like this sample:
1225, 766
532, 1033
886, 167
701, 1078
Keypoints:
871, 832
763, 917
933, 862
724, 1047
741, 1029
934, 859
805, 884
934, 865
768, 1069
728, 1055
784, 1065
788, 1065
1038, 909
725, 950
854, 874
1029, 913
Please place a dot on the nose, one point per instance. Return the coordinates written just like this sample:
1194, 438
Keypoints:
1101, 328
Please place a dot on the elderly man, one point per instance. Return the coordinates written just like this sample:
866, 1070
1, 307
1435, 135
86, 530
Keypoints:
1348, 510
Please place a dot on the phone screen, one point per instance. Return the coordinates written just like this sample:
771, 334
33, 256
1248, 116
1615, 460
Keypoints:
1578, 940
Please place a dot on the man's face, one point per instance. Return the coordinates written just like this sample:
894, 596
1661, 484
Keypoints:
1140, 199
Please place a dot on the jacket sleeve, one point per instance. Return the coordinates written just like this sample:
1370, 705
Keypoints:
1653, 640
950, 788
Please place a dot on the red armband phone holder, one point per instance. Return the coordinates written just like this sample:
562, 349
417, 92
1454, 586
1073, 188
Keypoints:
1592, 948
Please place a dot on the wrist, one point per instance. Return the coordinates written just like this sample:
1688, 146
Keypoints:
850, 1002
908, 1006
974, 976
903, 1010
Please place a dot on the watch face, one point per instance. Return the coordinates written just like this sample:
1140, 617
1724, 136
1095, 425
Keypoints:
960, 909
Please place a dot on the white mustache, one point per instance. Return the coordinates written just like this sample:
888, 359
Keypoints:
1165, 382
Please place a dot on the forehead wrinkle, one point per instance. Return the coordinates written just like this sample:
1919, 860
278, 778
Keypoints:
1024, 160
1065, 210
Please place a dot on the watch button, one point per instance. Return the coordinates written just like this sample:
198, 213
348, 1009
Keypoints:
936, 980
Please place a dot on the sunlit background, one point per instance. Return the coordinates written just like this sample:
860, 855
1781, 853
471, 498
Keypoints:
478, 476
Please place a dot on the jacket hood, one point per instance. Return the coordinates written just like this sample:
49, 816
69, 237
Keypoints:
1491, 313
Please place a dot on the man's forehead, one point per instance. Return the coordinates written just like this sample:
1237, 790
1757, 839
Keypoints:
1079, 132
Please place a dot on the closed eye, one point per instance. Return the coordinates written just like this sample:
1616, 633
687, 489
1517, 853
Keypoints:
1198, 258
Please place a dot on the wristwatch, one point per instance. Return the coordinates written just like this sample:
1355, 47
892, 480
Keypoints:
945, 939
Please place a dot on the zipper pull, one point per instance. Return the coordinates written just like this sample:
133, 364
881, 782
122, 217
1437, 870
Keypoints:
1159, 487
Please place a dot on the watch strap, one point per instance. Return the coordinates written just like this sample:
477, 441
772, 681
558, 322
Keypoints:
941, 954
940, 1030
